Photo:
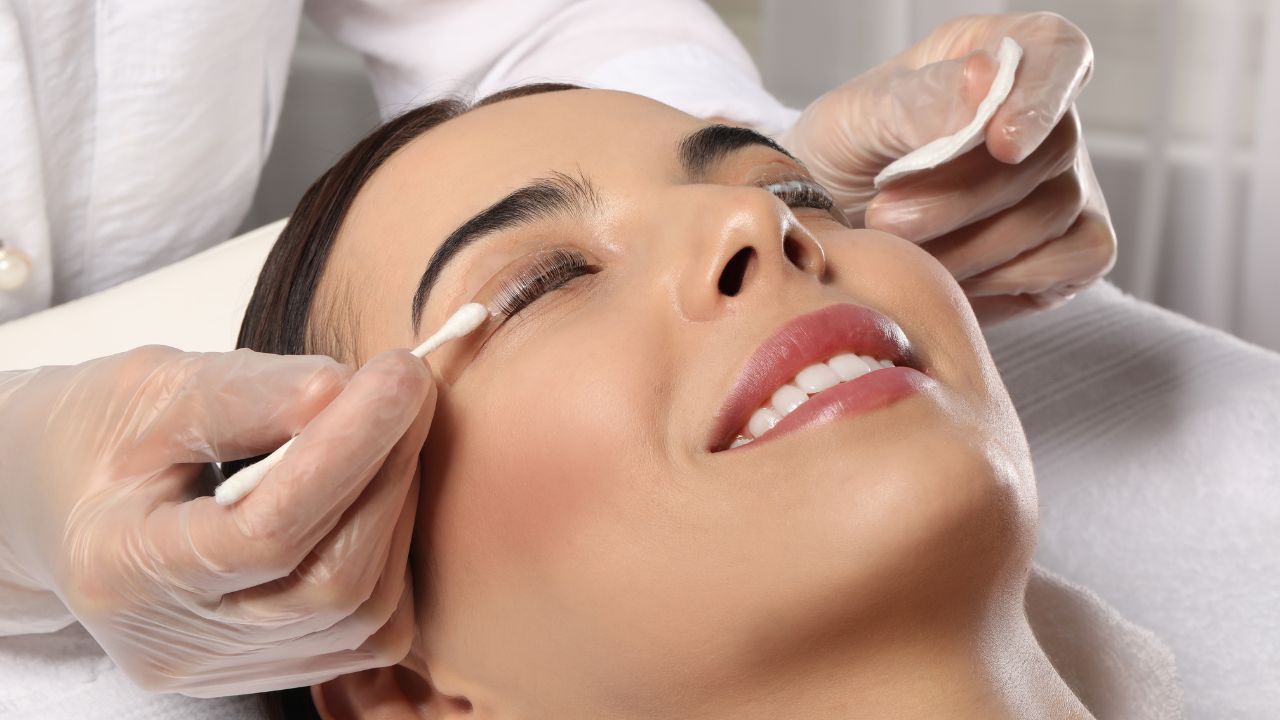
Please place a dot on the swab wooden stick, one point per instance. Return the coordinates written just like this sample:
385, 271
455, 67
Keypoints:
461, 323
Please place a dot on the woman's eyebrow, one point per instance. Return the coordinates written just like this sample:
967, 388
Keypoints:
555, 195
702, 149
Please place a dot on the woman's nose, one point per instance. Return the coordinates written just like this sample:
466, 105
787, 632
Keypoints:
744, 242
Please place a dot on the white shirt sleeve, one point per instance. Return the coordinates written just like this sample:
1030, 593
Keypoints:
675, 51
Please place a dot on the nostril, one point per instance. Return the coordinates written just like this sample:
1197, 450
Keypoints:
804, 252
795, 252
735, 271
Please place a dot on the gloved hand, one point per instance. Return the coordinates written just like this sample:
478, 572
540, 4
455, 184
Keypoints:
1020, 221
304, 579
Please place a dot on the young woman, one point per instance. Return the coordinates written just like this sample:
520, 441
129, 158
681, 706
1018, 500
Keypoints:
718, 455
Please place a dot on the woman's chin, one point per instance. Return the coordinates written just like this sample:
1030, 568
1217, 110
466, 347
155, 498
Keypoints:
917, 510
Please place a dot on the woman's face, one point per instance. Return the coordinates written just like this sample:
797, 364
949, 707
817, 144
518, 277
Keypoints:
584, 541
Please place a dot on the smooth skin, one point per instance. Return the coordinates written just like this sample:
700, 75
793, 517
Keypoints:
579, 553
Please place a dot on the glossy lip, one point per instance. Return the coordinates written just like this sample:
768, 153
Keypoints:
812, 338
876, 389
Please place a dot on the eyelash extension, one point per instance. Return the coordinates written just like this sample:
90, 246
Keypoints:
801, 193
551, 271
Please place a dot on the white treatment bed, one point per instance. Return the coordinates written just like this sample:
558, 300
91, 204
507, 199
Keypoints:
1157, 447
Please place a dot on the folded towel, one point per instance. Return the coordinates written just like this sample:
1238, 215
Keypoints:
1118, 670
1156, 442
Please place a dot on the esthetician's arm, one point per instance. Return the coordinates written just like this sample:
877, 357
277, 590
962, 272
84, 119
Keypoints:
1020, 221
99, 523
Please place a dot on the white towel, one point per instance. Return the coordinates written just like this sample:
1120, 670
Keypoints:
1118, 670
1156, 442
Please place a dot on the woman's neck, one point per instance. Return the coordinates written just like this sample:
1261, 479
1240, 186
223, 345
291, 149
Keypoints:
997, 673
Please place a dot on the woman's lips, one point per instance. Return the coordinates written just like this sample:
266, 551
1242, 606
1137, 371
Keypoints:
810, 339
872, 391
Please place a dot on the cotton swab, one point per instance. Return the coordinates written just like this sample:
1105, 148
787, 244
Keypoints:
460, 324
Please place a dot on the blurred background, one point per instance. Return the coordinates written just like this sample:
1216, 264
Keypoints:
1182, 120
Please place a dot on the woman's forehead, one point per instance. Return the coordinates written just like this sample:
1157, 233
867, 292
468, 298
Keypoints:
471, 161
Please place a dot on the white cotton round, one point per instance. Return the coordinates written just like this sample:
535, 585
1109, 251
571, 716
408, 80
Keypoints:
941, 150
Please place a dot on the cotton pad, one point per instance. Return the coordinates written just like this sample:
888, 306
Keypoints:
934, 153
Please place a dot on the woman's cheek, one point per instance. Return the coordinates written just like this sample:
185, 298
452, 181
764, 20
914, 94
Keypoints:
908, 284
543, 462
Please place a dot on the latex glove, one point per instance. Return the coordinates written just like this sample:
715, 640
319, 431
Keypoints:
304, 579
1020, 221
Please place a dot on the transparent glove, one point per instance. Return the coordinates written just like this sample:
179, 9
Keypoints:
1020, 220
101, 465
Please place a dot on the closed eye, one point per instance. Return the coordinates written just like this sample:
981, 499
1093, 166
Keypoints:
545, 272
808, 194
802, 193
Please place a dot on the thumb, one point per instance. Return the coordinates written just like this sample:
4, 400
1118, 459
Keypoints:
225, 406
921, 105
1055, 67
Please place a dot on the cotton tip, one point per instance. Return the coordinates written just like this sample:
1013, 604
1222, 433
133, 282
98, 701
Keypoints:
461, 323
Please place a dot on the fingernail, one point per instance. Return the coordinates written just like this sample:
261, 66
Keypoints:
1024, 134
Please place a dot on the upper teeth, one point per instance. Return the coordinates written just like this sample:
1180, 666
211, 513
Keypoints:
809, 381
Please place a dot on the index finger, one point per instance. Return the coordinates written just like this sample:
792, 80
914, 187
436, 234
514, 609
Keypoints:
1056, 64
263, 537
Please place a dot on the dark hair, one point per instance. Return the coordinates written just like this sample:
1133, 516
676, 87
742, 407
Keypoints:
279, 316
